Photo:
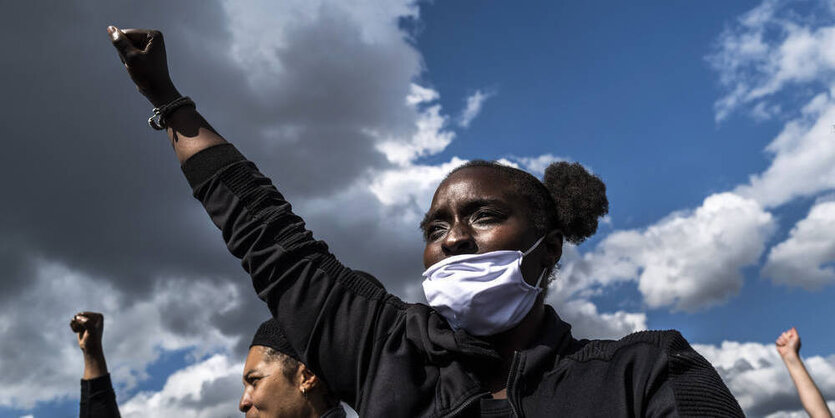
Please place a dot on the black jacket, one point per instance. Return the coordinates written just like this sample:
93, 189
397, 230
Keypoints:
387, 358
98, 399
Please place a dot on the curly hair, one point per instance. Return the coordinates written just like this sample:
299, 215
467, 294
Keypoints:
569, 198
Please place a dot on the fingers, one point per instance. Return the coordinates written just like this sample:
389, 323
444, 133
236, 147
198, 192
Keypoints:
76, 325
121, 42
86, 321
143, 39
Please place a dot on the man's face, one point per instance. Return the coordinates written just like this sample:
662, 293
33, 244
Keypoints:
267, 391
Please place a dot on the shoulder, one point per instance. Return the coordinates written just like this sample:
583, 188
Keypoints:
674, 375
646, 343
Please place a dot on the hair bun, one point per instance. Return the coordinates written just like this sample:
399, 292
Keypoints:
580, 199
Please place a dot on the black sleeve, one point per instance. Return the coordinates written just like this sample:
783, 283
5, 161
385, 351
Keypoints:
332, 317
687, 385
98, 399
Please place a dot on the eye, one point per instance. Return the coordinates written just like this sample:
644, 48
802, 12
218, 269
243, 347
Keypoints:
434, 231
486, 217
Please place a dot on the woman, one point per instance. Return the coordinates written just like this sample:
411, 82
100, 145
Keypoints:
278, 385
488, 345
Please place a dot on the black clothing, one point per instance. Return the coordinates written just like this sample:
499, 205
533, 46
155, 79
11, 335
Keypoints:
335, 412
270, 334
387, 358
98, 399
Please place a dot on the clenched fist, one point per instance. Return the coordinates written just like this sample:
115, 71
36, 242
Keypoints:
89, 326
788, 343
143, 53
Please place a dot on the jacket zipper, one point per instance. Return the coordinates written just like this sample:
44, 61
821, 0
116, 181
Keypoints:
457, 411
510, 378
513, 365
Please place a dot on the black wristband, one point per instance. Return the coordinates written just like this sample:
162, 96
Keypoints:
158, 119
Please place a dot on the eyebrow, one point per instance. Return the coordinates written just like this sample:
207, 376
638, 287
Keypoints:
248, 374
470, 206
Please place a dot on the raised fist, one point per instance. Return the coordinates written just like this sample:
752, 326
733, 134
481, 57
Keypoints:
143, 53
788, 343
89, 327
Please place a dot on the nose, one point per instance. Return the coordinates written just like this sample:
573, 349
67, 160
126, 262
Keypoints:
459, 240
245, 403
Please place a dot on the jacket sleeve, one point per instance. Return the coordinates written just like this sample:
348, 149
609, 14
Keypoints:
684, 384
333, 318
98, 399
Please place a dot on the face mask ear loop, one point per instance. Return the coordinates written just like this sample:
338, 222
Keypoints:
533, 247
539, 281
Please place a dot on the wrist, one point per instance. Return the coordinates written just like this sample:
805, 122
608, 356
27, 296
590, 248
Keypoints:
163, 97
790, 357
94, 366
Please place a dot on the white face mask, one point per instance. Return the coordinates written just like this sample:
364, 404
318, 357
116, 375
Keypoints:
483, 294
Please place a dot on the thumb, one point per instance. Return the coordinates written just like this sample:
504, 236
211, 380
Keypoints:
121, 42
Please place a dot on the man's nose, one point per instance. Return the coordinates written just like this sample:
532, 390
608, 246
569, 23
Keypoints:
459, 240
245, 402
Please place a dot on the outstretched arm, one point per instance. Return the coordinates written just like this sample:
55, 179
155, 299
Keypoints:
788, 345
143, 53
321, 306
97, 396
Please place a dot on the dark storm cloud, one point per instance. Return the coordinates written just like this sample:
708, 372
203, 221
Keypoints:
96, 189
89, 186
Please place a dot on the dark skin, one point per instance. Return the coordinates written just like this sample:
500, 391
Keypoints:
477, 210
458, 222
89, 327
143, 53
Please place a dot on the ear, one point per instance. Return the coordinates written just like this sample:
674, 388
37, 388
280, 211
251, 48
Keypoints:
307, 379
553, 247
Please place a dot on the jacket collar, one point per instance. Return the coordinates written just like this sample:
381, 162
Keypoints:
553, 341
335, 412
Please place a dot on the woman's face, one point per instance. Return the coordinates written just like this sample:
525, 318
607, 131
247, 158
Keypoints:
477, 210
268, 393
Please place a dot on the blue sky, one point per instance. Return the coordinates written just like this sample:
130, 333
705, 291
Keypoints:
627, 91
711, 126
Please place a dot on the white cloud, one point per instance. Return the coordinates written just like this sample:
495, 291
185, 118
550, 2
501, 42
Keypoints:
773, 50
421, 95
430, 137
758, 379
473, 108
769, 49
264, 26
587, 322
689, 260
411, 184
799, 413
210, 388
805, 258
537, 165
804, 157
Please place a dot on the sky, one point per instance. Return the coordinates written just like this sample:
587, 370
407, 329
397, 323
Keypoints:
712, 127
